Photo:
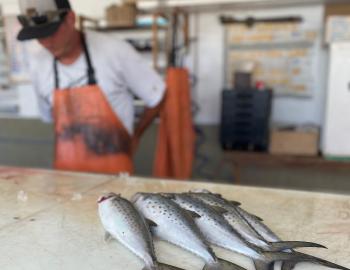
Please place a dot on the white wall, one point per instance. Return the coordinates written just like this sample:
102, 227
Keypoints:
211, 68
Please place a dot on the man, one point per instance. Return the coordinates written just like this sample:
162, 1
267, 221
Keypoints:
86, 83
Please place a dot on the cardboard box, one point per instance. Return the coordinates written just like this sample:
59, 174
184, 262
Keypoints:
337, 22
295, 142
122, 15
337, 10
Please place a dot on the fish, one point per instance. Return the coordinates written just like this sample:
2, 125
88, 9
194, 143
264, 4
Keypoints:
232, 215
123, 222
263, 230
174, 225
219, 232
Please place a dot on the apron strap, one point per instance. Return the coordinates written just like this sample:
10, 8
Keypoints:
90, 69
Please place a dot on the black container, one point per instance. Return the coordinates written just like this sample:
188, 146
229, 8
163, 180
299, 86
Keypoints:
245, 119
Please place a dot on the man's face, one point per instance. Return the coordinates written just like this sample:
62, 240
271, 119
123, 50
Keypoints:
58, 43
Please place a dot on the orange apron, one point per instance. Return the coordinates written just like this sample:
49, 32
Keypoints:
176, 136
89, 135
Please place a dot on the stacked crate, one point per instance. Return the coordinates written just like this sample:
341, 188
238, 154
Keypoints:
245, 119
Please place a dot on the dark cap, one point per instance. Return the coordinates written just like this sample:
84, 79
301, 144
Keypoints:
41, 18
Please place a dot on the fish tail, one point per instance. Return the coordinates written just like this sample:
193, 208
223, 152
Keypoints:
270, 257
311, 259
287, 245
229, 265
163, 266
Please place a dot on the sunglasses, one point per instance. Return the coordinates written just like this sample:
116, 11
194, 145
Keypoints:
33, 18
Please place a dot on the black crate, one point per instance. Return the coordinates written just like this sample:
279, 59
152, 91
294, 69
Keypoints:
245, 119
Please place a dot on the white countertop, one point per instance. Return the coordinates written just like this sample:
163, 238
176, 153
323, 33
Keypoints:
48, 220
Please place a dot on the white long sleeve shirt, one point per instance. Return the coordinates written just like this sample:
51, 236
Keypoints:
120, 72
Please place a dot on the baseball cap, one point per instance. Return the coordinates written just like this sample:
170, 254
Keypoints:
41, 18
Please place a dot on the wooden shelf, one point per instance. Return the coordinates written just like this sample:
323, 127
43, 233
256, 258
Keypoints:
125, 28
244, 159
225, 5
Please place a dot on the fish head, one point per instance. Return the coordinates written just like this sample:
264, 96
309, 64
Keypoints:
107, 197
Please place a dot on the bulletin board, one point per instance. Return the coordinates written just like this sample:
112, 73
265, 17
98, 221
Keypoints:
282, 55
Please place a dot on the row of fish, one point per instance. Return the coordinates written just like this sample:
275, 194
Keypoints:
195, 221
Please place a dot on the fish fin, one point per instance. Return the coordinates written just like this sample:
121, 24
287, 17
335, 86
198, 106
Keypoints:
288, 265
213, 266
287, 245
151, 223
230, 265
138, 196
193, 214
205, 191
258, 218
107, 237
235, 203
168, 195
163, 266
219, 209
216, 194
261, 265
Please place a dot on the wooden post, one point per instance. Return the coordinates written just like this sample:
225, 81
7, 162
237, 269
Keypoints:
155, 43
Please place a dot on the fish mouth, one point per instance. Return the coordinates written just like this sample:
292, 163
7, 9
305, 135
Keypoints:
107, 196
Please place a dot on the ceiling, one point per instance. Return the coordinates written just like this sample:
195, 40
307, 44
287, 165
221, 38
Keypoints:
219, 5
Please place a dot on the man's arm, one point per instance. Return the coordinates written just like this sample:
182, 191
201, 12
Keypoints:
146, 119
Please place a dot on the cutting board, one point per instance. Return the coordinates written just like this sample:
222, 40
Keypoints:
49, 220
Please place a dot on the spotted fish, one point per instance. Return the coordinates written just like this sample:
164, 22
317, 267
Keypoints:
121, 221
174, 225
220, 233
233, 215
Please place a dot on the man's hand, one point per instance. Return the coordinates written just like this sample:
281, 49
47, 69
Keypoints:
145, 121
134, 144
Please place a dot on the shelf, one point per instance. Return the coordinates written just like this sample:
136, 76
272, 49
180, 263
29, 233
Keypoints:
125, 28
287, 161
150, 6
272, 45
